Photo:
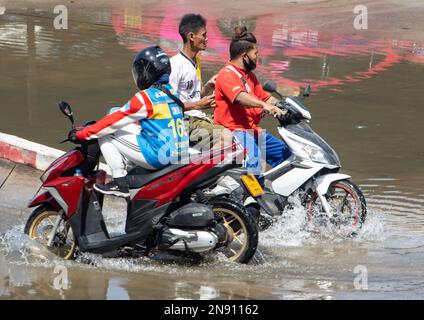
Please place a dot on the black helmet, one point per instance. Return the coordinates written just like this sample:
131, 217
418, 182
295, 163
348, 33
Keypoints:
149, 65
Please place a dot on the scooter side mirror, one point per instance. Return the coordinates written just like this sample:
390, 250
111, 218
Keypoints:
269, 86
67, 111
307, 91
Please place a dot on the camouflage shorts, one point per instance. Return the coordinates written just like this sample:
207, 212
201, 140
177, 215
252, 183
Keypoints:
203, 131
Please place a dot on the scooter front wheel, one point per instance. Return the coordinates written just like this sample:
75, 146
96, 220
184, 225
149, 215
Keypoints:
347, 204
39, 228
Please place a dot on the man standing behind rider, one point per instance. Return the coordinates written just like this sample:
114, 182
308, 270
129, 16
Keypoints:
186, 79
241, 103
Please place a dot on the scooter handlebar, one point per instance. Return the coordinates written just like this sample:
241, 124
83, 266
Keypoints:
291, 116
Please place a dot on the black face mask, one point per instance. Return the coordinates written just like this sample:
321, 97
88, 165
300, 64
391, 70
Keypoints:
250, 65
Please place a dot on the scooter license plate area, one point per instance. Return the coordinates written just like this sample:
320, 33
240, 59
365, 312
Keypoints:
252, 184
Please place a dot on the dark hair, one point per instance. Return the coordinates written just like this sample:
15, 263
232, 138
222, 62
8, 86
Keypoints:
190, 23
242, 42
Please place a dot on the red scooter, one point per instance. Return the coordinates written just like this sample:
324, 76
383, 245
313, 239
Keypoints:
167, 210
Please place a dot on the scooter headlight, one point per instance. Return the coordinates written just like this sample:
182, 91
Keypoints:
316, 154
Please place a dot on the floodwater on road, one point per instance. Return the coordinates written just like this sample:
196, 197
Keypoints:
367, 104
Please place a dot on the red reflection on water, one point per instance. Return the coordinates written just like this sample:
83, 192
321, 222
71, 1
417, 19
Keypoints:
280, 46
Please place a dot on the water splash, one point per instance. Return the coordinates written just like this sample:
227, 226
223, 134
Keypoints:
288, 229
293, 229
374, 227
20, 249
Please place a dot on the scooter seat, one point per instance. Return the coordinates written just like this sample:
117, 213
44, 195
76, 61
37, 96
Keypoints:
138, 176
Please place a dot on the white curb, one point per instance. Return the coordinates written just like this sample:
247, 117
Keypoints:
30, 153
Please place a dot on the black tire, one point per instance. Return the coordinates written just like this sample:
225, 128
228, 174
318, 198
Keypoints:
36, 217
244, 222
353, 192
262, 221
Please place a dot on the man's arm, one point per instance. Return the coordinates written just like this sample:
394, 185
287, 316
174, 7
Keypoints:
271, 100
232, 88
249, 101
261, 93
204, 103
208, 87
139, 107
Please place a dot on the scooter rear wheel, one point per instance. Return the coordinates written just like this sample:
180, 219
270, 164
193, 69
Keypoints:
346, 200
241, 228
38, 228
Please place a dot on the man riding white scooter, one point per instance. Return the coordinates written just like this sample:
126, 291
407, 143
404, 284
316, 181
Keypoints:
241, 103
302, 162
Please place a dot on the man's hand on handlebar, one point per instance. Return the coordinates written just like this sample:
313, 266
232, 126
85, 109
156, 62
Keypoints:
274, 111
72, 135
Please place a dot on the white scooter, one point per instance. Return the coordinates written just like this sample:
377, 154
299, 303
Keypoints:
311, 171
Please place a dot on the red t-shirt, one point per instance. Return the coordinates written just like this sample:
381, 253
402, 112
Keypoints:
231, 114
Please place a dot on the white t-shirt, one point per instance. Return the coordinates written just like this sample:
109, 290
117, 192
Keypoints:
186, 79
